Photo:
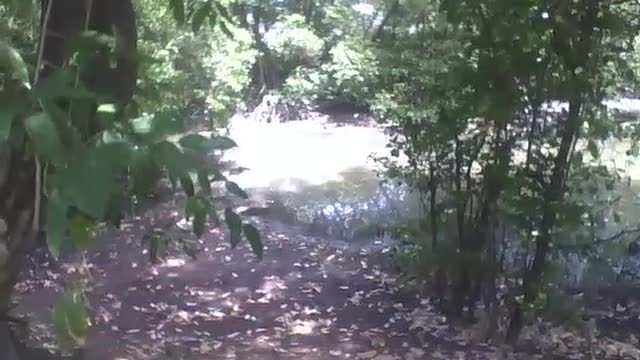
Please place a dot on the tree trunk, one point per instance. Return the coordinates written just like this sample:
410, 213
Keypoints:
21, 175
576, 56
553, 195
17, 230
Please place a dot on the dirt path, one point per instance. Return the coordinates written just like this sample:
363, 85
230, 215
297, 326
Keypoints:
307, 299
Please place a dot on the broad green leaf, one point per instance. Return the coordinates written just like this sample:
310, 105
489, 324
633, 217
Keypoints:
222, 143
197, 208
200, 15
203, 181
154, 248
70, 320
44, 136
7, 116
145, 170
61, 84
115, 155
177, 8
199, 222
234, 223
191, 208
233, 188
87, 183
196, 142
56, 222
187, 185
169, 155
253, 237
81, 231
593, 149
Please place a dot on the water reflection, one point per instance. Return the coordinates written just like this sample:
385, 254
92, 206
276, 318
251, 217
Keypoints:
320, 176
351, 209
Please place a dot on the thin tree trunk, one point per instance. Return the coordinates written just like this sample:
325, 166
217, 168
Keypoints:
553, 195
555, 190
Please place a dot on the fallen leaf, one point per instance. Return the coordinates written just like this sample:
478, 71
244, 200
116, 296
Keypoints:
368, 354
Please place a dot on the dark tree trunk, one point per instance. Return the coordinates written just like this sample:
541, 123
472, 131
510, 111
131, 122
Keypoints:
21, 176
553, 194
575, 55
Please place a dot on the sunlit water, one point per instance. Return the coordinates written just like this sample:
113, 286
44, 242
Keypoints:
325, 176
325, 173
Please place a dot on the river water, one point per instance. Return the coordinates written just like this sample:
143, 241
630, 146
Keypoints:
321, 171
322, 174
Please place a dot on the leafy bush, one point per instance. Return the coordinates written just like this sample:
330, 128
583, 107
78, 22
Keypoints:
207, 72
294, 41
306, 86
353, 69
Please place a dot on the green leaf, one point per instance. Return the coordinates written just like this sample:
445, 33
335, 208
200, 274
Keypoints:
222, 143
223, 11
7, 116
199, 222
115, 155
253, 237
87, 183
177, 8
70, 320
233, 188
196, 142
61, 84
226, 30
234, 223
44, 136
200, 15
593, 149
616, 217
169, 155
187, 185
81, 231
191, 207
203, 181
154, 248
56, 222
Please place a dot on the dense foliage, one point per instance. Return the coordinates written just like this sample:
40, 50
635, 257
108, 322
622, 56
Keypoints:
72, 131
498, 120
496, 109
